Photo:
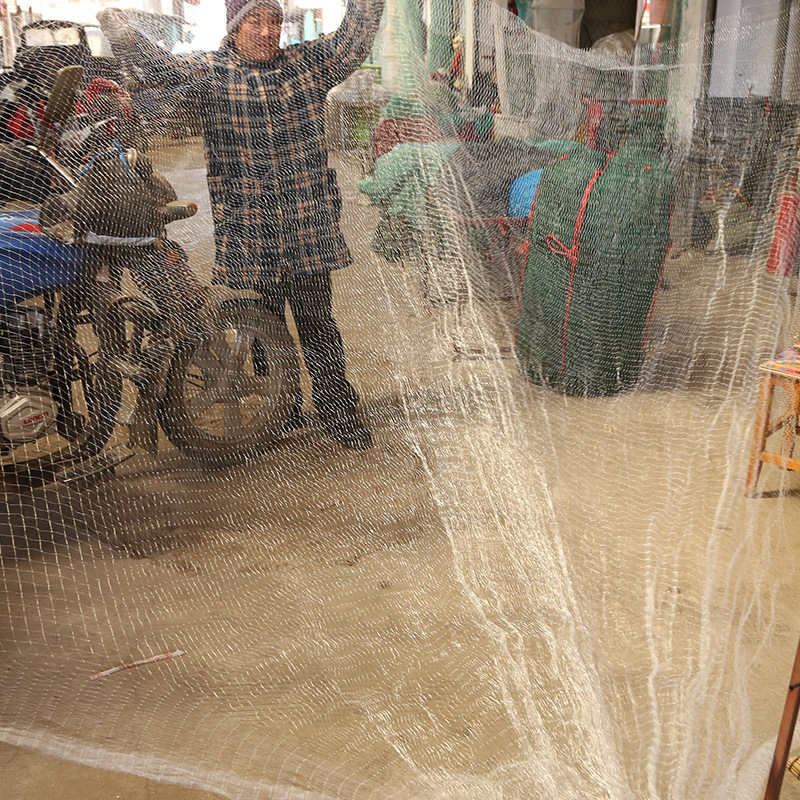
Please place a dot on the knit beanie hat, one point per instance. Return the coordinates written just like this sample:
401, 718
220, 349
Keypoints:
237, 10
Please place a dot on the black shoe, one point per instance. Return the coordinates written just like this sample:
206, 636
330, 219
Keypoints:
348, 431
294, 422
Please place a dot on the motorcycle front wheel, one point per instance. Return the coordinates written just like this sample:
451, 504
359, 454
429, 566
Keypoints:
229, 394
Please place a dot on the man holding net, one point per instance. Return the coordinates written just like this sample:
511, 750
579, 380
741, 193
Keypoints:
275, 202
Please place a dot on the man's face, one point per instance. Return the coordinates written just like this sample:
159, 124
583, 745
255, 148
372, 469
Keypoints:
258, 37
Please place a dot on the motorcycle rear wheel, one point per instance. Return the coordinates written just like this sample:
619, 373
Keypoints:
89, 399
223, 403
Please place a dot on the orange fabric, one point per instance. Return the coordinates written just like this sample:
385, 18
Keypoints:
20, 126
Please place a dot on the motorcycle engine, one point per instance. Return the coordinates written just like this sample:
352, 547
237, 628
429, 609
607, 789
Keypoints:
27, 410
26, 417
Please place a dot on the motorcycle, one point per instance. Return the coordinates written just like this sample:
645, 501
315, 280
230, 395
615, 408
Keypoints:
81, 362
103, 109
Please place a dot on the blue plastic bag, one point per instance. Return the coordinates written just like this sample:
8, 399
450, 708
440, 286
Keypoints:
522, 192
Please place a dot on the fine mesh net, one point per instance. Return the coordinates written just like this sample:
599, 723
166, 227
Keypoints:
552, 573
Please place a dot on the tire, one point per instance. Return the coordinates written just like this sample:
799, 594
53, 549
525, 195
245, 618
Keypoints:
222, 406
100, 384
103, 392
86, 390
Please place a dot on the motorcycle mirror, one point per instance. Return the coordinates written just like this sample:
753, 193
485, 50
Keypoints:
61, 104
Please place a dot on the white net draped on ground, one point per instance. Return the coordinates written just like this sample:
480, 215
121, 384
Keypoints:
545, 579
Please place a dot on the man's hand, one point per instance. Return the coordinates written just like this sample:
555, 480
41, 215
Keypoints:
114, 24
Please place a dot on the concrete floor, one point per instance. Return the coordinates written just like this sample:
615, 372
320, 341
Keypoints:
487, 505
29, 774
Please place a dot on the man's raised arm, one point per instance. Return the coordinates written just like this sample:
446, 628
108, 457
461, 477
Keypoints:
341, 53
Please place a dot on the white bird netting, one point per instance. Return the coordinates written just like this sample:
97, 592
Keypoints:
545, 578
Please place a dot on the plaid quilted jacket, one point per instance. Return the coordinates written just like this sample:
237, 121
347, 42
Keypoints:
275, 201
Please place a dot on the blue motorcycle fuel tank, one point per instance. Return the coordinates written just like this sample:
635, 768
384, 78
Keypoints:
30, 261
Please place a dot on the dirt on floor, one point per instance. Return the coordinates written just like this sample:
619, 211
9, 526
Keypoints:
510, 583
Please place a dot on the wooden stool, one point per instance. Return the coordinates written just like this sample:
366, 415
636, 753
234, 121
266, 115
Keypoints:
783, 371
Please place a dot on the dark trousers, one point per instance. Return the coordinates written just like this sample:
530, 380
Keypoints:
309, 298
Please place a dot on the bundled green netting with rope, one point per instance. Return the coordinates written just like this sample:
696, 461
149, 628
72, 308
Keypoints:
599, 233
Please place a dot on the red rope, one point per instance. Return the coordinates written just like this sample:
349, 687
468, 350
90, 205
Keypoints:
573, 253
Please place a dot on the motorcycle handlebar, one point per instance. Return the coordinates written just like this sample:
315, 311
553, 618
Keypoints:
178, 209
